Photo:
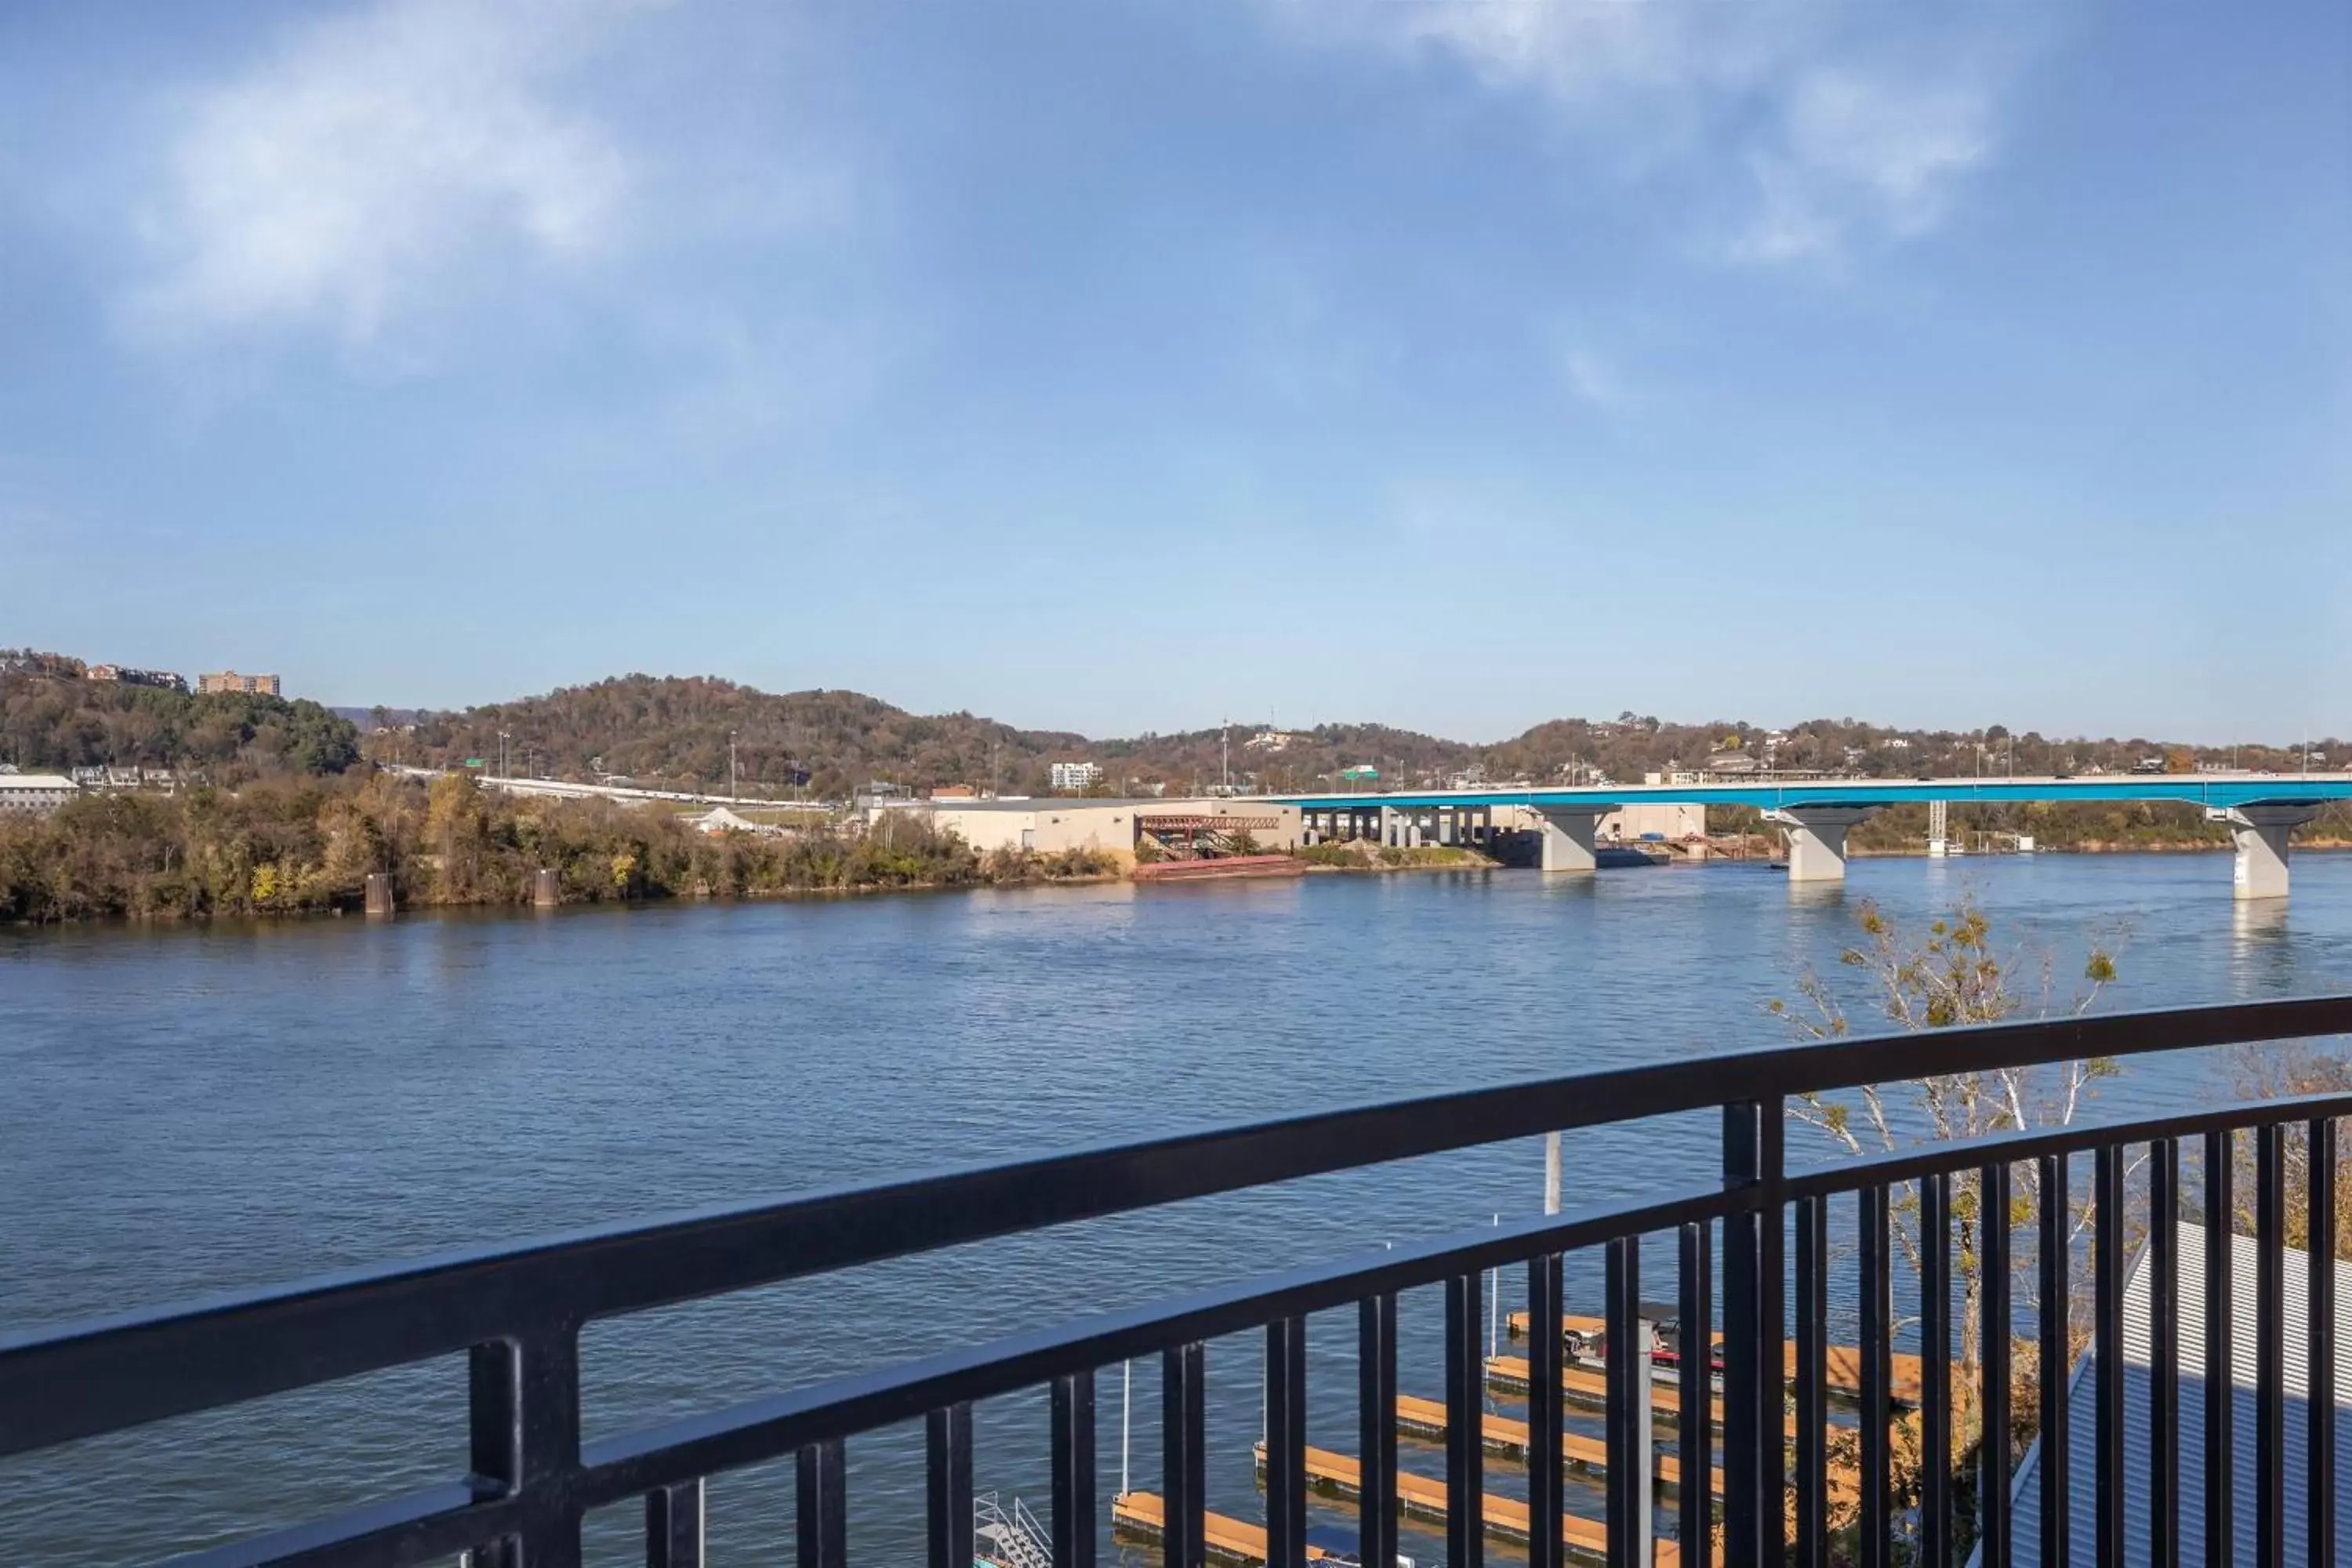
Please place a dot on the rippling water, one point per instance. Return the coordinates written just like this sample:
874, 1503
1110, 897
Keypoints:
186, 1111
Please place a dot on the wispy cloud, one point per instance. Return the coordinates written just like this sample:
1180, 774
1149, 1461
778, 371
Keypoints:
347, 177
1855, 149
1825, 132
1591, 379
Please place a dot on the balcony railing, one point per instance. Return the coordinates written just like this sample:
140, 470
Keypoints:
517, 1313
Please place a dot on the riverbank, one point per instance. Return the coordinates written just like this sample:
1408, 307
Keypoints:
309, 847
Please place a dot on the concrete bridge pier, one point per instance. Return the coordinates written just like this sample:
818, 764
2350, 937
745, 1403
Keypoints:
2262, 833
1817, 838
1568, 838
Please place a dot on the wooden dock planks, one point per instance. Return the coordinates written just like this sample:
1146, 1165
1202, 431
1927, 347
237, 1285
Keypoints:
1509, 1374
1423, 1498
1234, 1540
1426, 1419
1844, 1364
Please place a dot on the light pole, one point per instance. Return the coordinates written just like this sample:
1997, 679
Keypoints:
503, 753
734, 792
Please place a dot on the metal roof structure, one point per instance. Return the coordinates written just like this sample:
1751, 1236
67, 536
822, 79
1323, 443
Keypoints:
2082, 1431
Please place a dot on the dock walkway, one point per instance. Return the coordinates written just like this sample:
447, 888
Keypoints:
1423, 1498
1844, 1364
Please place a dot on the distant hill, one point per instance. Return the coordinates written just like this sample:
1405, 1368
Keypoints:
673, 731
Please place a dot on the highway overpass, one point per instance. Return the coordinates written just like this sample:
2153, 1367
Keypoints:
2259, 809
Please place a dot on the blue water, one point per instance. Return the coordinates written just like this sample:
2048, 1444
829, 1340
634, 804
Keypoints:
185, 1111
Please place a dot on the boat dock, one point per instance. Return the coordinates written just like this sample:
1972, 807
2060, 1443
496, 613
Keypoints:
1842, 1365
1143, 1516
1509, 1374
1423, 1498
1505, 1435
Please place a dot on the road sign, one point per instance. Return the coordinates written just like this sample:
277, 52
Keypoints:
473, 762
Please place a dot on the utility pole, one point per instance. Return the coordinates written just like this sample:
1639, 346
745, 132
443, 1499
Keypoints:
1225, 756
734, 789
503, 753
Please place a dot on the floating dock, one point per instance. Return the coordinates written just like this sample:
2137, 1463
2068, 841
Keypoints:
1425, 1419
1142, 1516
1509, 1374
1206, 869
1422, 1497
1844, 1364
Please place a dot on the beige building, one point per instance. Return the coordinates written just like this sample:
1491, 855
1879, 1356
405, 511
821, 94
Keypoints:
1053, 826
35, 794
230, 680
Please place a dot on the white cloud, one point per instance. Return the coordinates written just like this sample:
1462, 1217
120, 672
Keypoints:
1819, 130
1855, 149
347, 177
1591, 379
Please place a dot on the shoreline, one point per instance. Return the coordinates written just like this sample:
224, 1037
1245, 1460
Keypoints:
1086, 879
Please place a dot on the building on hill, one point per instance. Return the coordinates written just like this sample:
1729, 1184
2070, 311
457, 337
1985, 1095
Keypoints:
35, 795
124, 675
229, 681
1073, 775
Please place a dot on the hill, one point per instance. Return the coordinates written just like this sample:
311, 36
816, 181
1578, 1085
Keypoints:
674, 732
52, 718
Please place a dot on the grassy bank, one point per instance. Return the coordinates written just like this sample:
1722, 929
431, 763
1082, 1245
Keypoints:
308, 846
1361, 855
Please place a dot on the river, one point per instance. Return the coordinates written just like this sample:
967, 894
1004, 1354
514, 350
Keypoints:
191, 1110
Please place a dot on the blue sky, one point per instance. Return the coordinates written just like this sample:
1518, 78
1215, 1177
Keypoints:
1121, 368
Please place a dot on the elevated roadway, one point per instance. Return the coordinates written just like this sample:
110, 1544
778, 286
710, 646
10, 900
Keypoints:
2261, 811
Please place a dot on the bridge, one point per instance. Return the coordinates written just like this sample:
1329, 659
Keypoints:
2261, 811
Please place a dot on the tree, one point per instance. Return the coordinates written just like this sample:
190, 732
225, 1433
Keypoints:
1952, 977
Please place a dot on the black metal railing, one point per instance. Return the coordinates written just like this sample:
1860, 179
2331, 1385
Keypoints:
517, 1314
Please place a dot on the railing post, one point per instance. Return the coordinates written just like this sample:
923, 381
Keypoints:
1877, 1379
947, 1486
1695, 1438
673, 1526
1376, 1397
1544, 1456
1743, 1343
1813, 1409
2270, 1346
2164, 1353
1994, 1332
2319, 1379
2220, 1353
2056, 1500
2107, 1328
1465, 1421
1183, 1446
523, 1399
1633, 1461
1286, 1444
1074, 1470
821, 1499
1935, 1371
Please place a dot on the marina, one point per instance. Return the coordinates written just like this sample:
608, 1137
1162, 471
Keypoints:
1841, 1365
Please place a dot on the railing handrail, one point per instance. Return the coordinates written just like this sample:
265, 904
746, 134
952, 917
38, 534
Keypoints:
178, 1359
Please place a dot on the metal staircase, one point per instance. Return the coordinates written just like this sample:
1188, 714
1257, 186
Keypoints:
1009, 1538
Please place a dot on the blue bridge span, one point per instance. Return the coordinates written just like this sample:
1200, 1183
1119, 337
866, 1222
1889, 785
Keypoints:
2260, 810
